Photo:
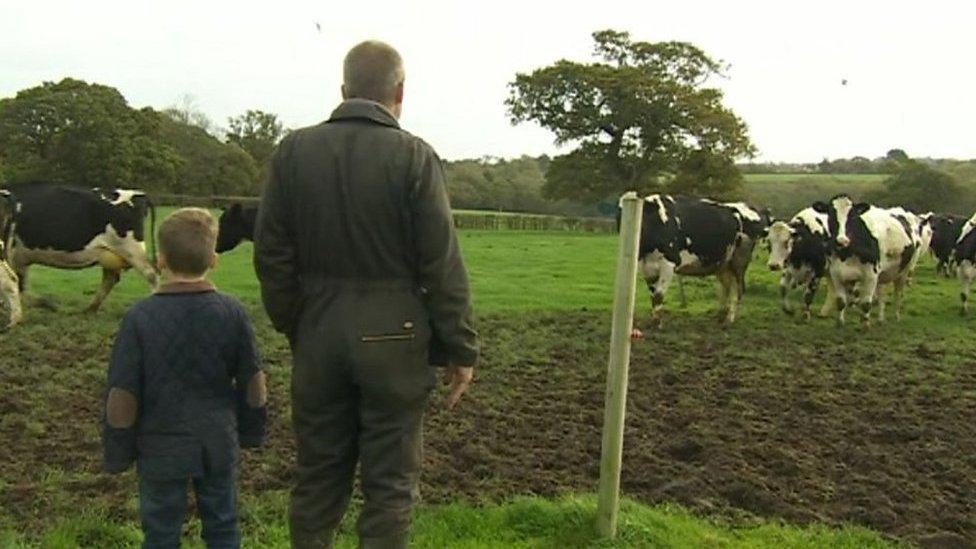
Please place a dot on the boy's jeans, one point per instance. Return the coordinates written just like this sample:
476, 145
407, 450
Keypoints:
162, 509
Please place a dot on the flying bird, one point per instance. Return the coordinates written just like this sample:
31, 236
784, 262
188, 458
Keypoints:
318, 27
843, 82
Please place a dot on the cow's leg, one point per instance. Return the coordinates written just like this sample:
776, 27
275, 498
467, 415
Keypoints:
681, 292
736, 289
830, 302
868, 289
785, 285
809, 292
109, 279
11, 294
658, 290
966, 272
899, 291
28, 299
881, 298
658, 273
727, 284
840, 297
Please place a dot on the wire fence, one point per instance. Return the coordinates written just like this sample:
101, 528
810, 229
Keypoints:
474, 220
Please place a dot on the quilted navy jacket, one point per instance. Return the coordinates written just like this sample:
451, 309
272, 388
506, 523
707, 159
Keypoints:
187, 354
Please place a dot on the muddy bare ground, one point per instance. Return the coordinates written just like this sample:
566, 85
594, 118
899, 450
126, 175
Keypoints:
768, 419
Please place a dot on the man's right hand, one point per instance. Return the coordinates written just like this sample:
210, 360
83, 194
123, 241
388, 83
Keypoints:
458, 378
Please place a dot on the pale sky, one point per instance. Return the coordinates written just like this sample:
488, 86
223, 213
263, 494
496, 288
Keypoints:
909, 65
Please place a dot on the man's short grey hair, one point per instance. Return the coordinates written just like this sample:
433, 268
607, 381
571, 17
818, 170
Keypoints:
372, 70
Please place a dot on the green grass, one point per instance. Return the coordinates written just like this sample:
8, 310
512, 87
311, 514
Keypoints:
509, 271
522, 523
521, 282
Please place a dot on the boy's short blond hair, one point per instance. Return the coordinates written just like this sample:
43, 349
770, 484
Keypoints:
187, 238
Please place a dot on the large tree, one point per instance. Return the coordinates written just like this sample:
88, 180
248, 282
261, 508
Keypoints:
209, 166
639, 116
84, 134
257, 132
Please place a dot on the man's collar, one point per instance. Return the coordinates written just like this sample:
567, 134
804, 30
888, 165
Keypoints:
195, 287
364, 109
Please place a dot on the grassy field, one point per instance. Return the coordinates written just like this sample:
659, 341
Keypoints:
730, 431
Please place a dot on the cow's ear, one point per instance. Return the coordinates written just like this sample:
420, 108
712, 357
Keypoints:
860, 208
820, 207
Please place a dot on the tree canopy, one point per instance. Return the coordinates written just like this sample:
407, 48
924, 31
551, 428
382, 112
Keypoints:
208, 167
257, 132
77, 133
639, 116
83, 134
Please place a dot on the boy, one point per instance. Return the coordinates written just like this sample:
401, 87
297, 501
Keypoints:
184, 390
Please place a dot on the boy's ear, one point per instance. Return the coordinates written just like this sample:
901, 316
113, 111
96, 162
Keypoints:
160, 261
214, 260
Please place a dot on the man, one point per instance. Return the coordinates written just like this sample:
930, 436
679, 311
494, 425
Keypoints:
360, 267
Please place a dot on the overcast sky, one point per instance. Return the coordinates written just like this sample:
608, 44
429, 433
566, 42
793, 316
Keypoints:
909, 65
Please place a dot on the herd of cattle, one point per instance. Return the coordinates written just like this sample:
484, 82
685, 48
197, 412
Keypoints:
74, 228
859, 248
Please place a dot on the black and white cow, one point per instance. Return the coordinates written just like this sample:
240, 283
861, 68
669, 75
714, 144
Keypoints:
698, 237
236, 224
74, 228
8, 279
800, 248
871, 247
946, 229
964, 257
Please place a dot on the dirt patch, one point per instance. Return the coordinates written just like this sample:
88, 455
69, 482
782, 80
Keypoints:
799, 424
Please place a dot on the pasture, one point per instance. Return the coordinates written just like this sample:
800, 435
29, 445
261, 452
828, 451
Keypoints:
771, 419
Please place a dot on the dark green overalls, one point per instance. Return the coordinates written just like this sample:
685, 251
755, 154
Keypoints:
360, 267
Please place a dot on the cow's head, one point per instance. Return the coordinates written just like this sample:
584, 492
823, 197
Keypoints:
841, 211
780, 236
236, 224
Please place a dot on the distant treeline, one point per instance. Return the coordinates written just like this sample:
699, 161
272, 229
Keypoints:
86, 134
509, 185
886, 165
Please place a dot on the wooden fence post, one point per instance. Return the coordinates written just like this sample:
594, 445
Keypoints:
608, 502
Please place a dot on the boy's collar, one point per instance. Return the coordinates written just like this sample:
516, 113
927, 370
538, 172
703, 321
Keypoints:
197, 286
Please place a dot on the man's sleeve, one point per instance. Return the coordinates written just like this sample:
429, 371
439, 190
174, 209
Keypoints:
251, 388
122, 399
275, 250
440, 267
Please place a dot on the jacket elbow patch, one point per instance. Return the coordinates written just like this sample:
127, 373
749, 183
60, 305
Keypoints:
257, 391
121, 408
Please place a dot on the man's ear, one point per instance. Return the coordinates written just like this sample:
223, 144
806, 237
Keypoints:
399, 93
344, 96
161, 261
214, 260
